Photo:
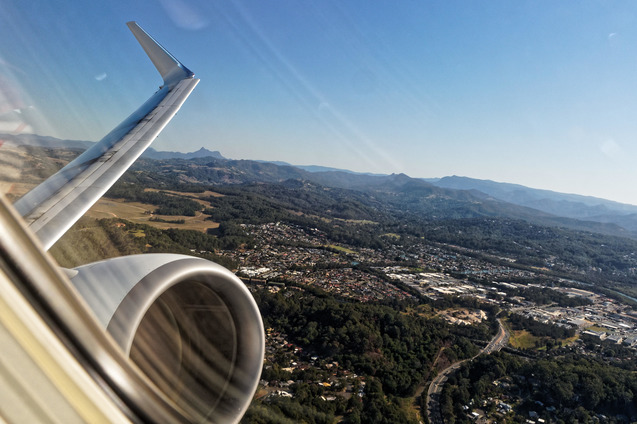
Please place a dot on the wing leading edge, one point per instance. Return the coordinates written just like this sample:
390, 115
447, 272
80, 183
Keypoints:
51, 208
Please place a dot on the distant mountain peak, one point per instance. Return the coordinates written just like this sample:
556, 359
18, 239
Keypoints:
401, 176
151, 153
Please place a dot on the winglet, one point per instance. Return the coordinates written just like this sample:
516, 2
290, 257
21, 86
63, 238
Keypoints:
171, 70
51, 208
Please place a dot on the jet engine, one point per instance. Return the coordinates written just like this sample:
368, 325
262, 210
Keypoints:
189, 324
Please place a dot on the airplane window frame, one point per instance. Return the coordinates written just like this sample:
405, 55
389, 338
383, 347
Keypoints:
43, 285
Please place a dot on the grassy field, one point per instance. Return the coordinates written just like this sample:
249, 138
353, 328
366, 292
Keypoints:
570, 340
421, 310
522, 339
597, 328
133, 211
107, 208
340, 248
138, 212
207, 193
356, 221
409, 406
142, 213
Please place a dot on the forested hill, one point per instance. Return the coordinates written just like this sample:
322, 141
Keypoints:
398, 190
401, 192
559, 204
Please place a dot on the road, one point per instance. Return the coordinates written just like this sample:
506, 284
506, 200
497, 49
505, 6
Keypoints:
498, 341
435, 388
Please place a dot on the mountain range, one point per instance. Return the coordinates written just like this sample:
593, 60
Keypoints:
151, 153
559, 204
467, 197
56, 143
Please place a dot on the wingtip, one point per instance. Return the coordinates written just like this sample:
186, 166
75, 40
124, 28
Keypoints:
170, 69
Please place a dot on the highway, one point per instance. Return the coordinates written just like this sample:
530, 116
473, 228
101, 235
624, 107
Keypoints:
435, 388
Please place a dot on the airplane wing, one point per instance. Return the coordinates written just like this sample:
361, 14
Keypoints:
189, 325
51, 208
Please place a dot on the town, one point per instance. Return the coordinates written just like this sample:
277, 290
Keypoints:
291, 257
285, 253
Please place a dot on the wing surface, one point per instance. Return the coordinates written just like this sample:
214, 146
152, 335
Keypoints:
51, 208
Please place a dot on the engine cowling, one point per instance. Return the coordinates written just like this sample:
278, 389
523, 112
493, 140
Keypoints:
191, 325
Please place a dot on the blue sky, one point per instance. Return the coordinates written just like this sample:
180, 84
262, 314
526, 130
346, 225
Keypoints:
540, 93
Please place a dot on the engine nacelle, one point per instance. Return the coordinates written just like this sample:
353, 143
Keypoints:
191, 325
